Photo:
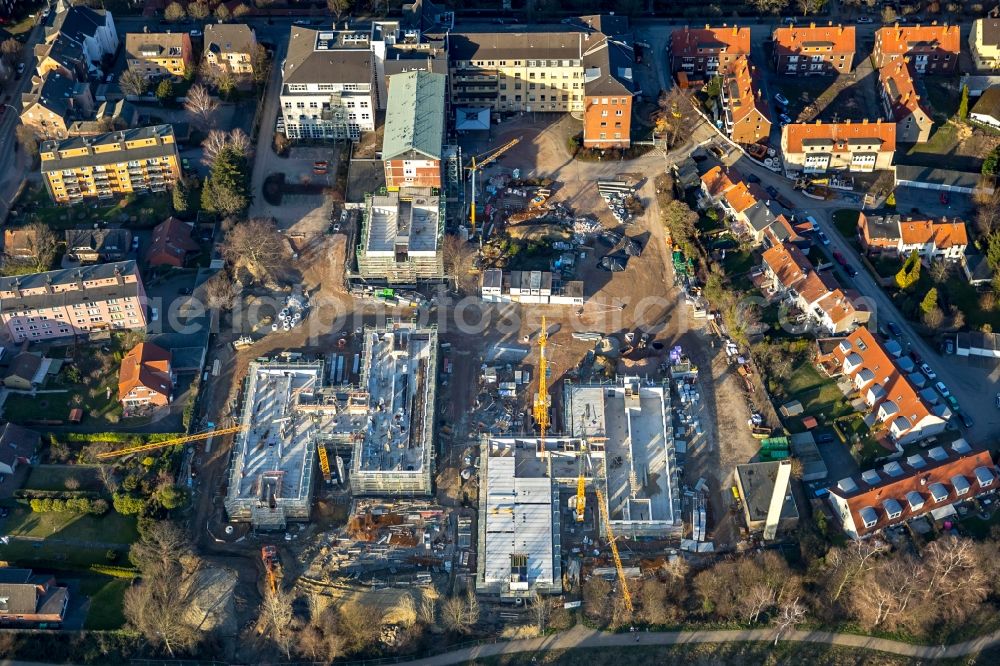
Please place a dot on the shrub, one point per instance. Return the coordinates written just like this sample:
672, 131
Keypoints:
115, 572
127, 505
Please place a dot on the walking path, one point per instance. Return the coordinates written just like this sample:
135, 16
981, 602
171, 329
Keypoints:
582, 637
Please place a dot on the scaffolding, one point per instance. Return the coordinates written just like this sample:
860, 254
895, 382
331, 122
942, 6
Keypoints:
453, 183
401, 237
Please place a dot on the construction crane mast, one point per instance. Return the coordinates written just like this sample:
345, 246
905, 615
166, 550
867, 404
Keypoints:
476, 165
543, 401
626, 595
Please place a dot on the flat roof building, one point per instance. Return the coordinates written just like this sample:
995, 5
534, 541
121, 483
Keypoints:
632, 420
394, 452
401, 235
271, 478
759, 483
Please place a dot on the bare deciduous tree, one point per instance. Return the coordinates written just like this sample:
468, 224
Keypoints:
358, 625
219, 140
460, 263
221, 291
133, 83
275, 620
790, 614
10, 49
541, 609
259, 247
201, 105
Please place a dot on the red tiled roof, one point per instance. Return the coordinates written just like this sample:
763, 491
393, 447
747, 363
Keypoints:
787, 263
898, 81
742, 196
808, 40
913, 476
840, 134
816, 286
145, 365
900, 40
719, 179
171, 243
839, 305
749, 97
687, 42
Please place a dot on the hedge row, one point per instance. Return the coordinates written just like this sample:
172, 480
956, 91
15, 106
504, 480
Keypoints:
30, 494
115, 437
81, 505
115, 572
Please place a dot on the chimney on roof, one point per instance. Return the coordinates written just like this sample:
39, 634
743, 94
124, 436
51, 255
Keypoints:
17, 287
736, 29
48, 284
79, 280
812, 24
119, 278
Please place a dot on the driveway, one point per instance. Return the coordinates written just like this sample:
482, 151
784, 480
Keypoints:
965, 379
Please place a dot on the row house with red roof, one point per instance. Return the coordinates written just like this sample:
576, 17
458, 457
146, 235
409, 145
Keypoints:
902, 235
808, 51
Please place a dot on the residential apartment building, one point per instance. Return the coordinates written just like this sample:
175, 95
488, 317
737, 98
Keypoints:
92, 29
30, 600
401, 237
63, 55
900, 236
608, 92
398, 50
900, 411
984, 44
903, 105
812, 50
414, 130
157, 55
108, 165
742, 106
820, 147
54, 103
929, 49
697, 55
930, 482
717, 181
822, 302
229, 47
71, 302
145, 378
328, 88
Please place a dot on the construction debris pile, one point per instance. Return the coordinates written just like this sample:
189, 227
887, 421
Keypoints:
621, 199
293, 313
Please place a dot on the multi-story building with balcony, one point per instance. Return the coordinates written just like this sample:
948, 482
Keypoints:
328, 88
821, 147
71, 302
698, 54
899, 409
805, 51
929, 49
157, 55
108, 165
742, 105
984, 44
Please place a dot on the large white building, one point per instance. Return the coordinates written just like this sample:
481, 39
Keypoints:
91, 30
328, 86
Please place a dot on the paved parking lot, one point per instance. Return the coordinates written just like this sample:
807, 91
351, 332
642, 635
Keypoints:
929, 202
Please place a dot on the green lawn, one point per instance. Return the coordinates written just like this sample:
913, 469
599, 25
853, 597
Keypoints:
819, 395
55, 477
144, 211
49, 555
942, 141
106, 597
737, 265
112, 527
943, 95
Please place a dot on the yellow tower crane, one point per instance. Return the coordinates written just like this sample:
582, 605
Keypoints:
152, 446
626, 595
476, 165
543, 401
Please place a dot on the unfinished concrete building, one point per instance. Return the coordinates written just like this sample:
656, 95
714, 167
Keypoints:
401, 237
270, 481
631, 420
394, 451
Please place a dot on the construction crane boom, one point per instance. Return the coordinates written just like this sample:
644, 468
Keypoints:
543, 401
476, 165
152, 446
626, 595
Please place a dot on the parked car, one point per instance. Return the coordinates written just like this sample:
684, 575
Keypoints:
785, 119
839, 258
915, 355
944, 198
186, 291
966, 420
896, 330
781, 99
949, 346
135, 243
823, 238
926, 369
154, 314
942, 389
864, 19
753, 179
851, 270
20, 68
195, 33
825, 438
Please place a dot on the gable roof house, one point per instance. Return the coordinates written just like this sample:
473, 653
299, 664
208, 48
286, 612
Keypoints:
984, 44
901, 490
17, 446
156, 55
171, 244
27, 371
229, 47
821, 147
814, 49
145, 377
62, 55
698, 54
93, 245
742, 105
717, 180
30, 600
785, 266
987, 108
903, 104
899, 411
930, 49
412, 144
20, 243
947, 239
93, 29
53, 103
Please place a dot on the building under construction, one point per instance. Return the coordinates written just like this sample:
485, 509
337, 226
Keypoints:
271, 478
401, 237
631, 419
393, 452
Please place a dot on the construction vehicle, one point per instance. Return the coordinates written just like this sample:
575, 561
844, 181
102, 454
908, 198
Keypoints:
324, 462
543, 401
272, 566
476, 165
626, 595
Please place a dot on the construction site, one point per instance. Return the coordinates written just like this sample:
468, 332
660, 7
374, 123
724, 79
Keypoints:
401, 235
